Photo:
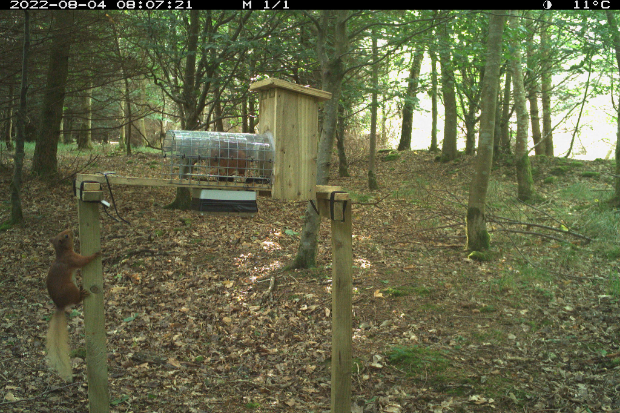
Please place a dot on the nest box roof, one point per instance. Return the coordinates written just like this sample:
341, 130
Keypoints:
272, 83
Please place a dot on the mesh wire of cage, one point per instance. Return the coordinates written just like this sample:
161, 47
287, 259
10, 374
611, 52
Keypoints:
219, 158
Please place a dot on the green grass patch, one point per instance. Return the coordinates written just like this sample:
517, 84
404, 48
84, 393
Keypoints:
418, 360
361, 198
406, 290
559, 170
591, 174
252, 405
391, 157
613, 283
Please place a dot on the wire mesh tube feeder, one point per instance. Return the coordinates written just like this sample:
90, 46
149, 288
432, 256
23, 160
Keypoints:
241, 163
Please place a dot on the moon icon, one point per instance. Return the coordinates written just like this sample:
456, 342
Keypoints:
547, 5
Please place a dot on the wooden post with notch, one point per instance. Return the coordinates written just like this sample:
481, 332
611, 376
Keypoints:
89, 194
336, 206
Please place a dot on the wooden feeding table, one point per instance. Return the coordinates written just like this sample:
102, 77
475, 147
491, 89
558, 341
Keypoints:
280, 159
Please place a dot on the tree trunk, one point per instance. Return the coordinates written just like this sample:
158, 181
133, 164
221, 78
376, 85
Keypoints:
546, 83
524, 171
17, 216
448, 150
470, 131
504, 141
8, 123
477, 235
343, 164
615, 37
372, 177
332, 74
532, 91
190, 120
410, 99
434, 147
497, 132
85, 134
44, 162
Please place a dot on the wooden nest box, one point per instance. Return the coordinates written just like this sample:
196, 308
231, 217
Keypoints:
290, 112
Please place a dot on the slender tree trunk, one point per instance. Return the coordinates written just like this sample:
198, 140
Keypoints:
44, 161
505, 121
497, 132
85, 134
410, 99
477, 235
190, 120
532, 92
448, 150
583, 103
142, 121
470, 130
17, 216
343, 164
546, 83
615, 37
332, 66
372, 177
434, 147
524, 171
128, 117
8, 125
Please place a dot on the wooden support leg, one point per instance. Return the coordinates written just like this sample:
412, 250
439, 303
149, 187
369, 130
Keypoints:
94, 324
342, 291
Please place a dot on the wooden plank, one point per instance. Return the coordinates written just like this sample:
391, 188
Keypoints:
94, 322
342, 304
271, 83
324, 191
137, 181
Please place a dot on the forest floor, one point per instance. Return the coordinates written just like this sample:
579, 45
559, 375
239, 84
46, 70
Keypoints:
191, 328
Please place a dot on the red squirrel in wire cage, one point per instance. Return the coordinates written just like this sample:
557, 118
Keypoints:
64, 293
230, 158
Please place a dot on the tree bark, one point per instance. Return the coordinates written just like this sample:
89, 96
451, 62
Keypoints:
410, 99
546, 83
615, 37
44, 161
191, 118
434, 147
8, 123
343, 164
85, 134
477, 235
448, 150
533, 91
525, 183
372, 177
504, 141
17, 216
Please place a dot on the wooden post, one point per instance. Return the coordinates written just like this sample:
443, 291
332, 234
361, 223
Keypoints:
336, 205
94, 323
342, 292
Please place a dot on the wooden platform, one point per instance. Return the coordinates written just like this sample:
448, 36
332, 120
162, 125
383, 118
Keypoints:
191, 184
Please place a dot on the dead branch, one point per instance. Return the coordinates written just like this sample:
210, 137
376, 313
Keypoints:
503, 220
540, 234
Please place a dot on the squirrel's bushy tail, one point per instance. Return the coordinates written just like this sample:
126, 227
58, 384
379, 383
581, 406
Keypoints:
58, 346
